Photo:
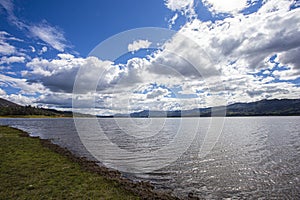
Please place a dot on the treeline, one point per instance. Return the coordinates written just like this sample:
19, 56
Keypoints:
30, 110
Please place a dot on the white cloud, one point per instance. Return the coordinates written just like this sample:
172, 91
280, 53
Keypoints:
59, 74
20, 99
291, 58
238, 47
172, 20
158, 93
12, 59
248, 40
43, 31
226, 6
184, 7
217, 63
212, 62
65, 56
115, 83
2, 92
5, 47
139, 44
4, 34
32, 49
176, 5
267, 79
286, 74
276, 5
43, 50
51, 35
22, 84
57, 100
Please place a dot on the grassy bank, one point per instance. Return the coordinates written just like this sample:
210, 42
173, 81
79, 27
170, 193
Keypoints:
29, 170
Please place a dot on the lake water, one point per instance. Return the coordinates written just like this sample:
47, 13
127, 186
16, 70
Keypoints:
254, 157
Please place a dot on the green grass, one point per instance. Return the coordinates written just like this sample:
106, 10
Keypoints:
30, 171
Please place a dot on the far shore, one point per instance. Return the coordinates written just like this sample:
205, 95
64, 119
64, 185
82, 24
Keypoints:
111, 117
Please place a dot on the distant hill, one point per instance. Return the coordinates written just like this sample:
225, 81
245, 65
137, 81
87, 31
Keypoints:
266, 107
5, 103
275, 107
8, 108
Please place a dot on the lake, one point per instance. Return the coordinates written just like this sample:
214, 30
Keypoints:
251, 157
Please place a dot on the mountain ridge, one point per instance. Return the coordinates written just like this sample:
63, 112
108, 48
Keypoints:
273, 107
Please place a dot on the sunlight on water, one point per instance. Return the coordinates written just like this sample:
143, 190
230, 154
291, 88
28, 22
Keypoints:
254, 156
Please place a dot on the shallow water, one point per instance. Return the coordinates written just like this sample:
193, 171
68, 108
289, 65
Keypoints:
254, 157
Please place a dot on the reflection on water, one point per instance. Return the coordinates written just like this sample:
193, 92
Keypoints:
254, 156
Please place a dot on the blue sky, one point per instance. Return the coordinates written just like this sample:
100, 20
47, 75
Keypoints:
219, 52
85, 24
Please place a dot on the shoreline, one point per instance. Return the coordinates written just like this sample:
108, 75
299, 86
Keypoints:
142, 189
118, 117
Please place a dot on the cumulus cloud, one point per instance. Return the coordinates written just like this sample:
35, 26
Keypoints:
216, 61
226, 6
6, 48
57, 100
21, 84
184, 7
21, 99
204, 64
184, 57
287, 74
249, 41
291, 58
138, 44
12, 59
115, 83
276, 5
59, 74
158, 93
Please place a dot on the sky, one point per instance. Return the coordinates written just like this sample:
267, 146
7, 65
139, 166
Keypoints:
101, 57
